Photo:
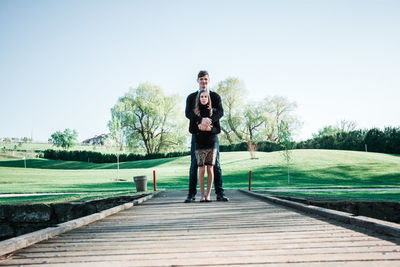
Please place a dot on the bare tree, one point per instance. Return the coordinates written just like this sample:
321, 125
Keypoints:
241, 121
277, 109
254, 121
285, 137
116, 138
149, 119
346, 126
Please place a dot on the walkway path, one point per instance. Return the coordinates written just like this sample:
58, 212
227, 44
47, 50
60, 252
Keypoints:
167, 232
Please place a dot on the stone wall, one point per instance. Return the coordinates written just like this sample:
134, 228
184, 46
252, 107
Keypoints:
383, 210
16, 220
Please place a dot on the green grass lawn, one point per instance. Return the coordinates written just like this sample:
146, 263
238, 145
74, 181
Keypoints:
310, 169
63, 198
26, 146
380, 195
44, 146
6, 157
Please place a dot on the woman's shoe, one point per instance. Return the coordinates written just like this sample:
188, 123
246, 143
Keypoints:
203, 200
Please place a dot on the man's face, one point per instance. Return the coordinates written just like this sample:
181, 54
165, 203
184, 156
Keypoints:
203, 82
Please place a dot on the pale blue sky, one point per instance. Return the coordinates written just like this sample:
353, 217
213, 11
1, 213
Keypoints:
64, 64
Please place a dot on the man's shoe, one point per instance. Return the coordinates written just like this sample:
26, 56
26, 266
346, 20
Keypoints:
222, 197
190, 199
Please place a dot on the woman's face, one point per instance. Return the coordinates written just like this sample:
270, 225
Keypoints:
203, 98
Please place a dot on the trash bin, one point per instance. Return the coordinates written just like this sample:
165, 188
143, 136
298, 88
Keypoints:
141, 183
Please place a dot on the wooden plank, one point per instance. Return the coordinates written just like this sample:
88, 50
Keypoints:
178, 234
227, 240
184, 250
237, 257
155, 246
292, 264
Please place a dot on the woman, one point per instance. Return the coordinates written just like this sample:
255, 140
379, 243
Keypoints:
206, 142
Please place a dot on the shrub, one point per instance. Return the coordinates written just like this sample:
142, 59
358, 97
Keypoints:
387, 141
392, 140
375, 140
265, 146
97, 157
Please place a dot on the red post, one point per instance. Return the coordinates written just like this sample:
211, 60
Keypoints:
249, 180
154, 181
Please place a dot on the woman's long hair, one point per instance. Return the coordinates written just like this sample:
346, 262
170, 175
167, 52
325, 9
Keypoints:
198, 103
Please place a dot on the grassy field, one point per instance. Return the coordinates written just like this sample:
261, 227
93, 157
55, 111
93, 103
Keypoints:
63, 198
44, 146
19, 150
310, 169
26, 146
381, 195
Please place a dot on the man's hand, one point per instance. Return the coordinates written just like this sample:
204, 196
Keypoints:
205, 124
206, 121
205, 128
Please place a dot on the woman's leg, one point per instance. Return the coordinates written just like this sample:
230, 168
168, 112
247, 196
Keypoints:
210, 179
201, 180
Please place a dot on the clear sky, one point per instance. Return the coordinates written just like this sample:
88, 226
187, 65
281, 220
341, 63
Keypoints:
64, 64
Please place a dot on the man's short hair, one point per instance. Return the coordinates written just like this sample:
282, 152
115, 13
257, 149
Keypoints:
202, 73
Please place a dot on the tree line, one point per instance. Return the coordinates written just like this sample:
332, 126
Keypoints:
373, 140
148, 121
97, 157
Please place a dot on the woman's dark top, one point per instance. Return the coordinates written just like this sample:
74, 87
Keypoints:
218, 110
205, 139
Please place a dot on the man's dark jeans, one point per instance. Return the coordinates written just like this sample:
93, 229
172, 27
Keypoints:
193, 171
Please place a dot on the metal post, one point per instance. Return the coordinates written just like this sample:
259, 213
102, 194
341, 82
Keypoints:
117, 167
154, 181
249, 180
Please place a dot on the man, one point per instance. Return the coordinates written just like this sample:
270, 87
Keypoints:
203, 79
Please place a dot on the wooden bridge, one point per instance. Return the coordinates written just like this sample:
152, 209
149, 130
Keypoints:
164, 231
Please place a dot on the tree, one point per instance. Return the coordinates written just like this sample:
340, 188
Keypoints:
327, 130
65, 139
285, 137
346, 126
375, 140
232, 92
254, 121
340, 127
392, 140
278, 109
241, 121
149, 120
116, 136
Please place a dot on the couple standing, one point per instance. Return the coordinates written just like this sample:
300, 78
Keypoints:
204, 109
